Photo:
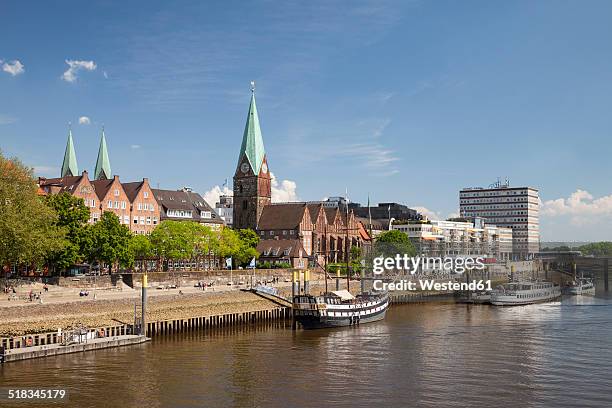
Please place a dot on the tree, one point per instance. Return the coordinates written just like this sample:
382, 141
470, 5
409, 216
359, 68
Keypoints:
72, 215
173, 240
390, 243
140, 248
111, 241
603, 248
246, 250
28, 228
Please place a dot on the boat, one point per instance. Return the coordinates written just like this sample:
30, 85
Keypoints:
339, 308
524, 293
580, 287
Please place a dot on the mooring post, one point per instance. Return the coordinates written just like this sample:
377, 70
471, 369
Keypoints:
143, 322
605, 274
306, 282
338, 279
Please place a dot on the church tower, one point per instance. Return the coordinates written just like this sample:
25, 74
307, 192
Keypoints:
103, 169
252, 183
69, 165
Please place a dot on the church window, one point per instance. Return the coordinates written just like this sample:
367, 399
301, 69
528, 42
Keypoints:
245, 204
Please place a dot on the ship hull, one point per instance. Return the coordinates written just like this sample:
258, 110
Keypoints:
325, 322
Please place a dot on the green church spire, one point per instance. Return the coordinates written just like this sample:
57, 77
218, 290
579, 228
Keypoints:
69, 166
252, 140
103, 168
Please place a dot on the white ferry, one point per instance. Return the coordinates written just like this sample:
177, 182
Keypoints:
339, 308
524, 293
580, 287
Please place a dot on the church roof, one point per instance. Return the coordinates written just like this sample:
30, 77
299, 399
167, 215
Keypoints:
103, 167
252, 140
69, 166
281, 216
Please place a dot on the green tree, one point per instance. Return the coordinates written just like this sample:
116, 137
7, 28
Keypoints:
603, 248
390, 243
246, 250
173, 240
110, 242
28, 228
72, 216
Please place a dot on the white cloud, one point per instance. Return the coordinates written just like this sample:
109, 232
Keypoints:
212, 195
74, 66
581, 206
372, 154
84, 120
432, 215
7, 120
13, 67
283, 191
135, 146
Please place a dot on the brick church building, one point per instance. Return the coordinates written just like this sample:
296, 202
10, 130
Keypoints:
323, 234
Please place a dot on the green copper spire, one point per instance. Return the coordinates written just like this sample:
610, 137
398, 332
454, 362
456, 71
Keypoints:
103, 168
252, 141
69, 166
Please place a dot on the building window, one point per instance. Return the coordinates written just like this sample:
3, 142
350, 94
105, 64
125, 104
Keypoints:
123, 205
116, 193
148, 220
126, 219
145, 194
139, 206
206, 214
271, 233
151, 207
135, 220
110, 204
142, 220
154, 220
117, 204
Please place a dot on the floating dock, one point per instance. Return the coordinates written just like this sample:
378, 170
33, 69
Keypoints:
25, 353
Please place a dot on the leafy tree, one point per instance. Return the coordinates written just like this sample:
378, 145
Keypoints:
111, 241
603, 248
390, 243
72, 216
247, 247
28, 228
173, 240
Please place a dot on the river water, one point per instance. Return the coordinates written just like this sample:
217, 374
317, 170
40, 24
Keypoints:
428, 355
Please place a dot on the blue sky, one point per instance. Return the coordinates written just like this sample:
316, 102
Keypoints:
407, 101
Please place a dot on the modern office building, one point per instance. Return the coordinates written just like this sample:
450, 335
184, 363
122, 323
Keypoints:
516, 208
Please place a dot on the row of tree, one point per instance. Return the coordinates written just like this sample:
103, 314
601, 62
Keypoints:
53, 231
603, 248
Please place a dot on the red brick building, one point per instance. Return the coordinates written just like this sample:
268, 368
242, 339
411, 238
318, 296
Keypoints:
78, 186
144, 209
112, 197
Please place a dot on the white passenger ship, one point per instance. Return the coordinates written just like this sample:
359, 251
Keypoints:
524, 293
339, 308
580, 287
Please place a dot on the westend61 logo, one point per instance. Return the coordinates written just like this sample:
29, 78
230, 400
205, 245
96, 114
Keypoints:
428, 266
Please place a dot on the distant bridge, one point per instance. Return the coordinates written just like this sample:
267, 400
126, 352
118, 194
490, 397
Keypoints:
573, 262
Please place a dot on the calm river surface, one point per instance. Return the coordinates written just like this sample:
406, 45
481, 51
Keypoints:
550, 355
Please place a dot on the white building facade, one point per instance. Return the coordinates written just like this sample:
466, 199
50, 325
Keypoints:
458, 238
516, 208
